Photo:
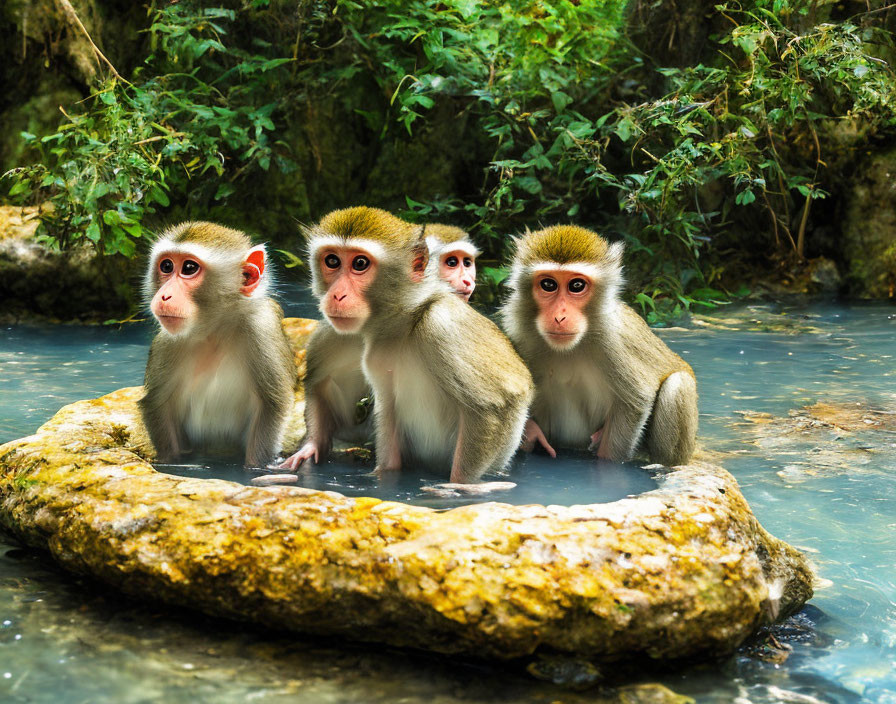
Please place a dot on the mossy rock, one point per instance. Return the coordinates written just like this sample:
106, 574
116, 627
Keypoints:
679, 571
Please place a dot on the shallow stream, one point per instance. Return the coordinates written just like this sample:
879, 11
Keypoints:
798, 402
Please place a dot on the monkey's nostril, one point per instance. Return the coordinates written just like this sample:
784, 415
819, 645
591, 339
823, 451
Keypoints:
166, 298
560, 320
340, 298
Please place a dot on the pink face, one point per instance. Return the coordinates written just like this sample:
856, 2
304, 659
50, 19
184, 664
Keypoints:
179, 275
458, 268
346, 273
561, 296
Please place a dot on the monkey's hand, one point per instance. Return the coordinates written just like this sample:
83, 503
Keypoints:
532, 434
595, 440
308, 451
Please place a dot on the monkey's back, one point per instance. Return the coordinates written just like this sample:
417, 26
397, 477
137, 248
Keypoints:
647, 347
469, 350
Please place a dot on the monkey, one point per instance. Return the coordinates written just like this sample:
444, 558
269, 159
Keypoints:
449, 386
337, 404
599, 370
221, 371
453, 254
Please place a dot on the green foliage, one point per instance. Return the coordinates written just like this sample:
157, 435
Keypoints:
197, 120
733, 146
567, 119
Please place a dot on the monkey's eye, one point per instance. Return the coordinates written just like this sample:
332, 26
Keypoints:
166, 266
548, 285
360, 263
189, 268
332, 261
577, 285
468, 262
451, 262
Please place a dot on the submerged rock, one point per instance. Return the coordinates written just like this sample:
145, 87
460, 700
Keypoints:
679, 571
824, 438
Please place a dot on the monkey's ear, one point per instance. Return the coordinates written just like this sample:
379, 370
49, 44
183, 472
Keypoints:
419, 261
614, 254
253, 269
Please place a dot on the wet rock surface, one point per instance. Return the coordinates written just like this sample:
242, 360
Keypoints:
682, 570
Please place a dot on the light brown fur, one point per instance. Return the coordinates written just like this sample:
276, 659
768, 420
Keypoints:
619, 377
449, 387
229, 381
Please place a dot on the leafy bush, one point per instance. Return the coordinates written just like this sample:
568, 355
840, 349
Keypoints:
696, 167
198, 123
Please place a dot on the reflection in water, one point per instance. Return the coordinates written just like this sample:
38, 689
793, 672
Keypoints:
573, 479
830, 491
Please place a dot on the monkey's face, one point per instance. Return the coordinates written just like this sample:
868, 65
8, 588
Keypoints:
458, 268
346, 273
179, 275
561, 295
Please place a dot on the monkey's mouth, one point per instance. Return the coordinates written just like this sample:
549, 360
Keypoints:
345, 322
172, 323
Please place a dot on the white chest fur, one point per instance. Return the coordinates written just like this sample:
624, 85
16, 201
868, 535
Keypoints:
427, 421
572, 400
218, 401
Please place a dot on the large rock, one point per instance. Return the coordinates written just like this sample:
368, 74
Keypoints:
682, 570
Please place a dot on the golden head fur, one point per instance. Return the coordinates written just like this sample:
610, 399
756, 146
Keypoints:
568, 246
439, 237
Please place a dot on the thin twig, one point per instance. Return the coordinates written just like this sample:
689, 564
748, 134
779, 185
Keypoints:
69, 12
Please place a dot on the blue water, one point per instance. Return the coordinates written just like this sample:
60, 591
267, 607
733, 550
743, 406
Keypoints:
830, 492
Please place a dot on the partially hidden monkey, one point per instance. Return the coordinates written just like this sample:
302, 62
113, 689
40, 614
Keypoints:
453, 254
221, 371
449, 387
337, 403
600, 373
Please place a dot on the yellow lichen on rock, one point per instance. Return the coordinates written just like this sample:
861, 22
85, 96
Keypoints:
682, 570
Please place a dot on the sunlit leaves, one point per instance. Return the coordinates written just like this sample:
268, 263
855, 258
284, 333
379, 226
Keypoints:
203, 112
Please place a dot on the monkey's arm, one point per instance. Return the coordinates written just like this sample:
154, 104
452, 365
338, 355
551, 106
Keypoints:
157, 407
388, 447
320, 420
273, 371
484, 376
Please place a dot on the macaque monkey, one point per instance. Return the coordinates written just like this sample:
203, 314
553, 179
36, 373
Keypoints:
220, 372
600, 372
449, 387
453, 253
338, 396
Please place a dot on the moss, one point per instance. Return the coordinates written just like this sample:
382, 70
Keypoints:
682, 570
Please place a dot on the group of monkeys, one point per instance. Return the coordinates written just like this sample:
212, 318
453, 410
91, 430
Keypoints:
580, 368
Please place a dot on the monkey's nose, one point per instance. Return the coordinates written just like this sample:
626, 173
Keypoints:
560, 320
340, 298
166, 298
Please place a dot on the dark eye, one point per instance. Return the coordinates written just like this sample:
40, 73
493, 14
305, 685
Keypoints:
332, 261
577, 285
451, 262
360, 263
189, 268
166, 266
468, 262
548, 285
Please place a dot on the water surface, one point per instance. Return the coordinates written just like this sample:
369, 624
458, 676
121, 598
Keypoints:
830, 491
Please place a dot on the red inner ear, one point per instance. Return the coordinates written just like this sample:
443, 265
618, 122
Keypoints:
256, 258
